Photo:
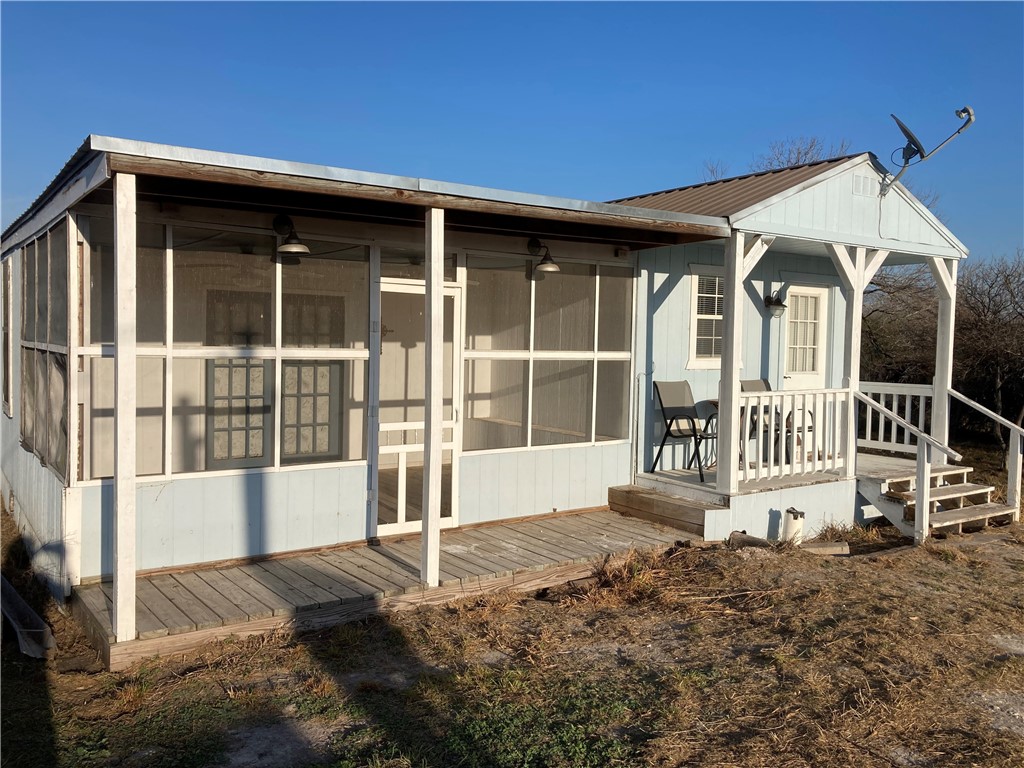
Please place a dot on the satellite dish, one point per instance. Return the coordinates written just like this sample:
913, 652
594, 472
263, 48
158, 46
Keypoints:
914, 147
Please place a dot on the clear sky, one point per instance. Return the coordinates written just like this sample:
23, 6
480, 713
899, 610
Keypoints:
593, 101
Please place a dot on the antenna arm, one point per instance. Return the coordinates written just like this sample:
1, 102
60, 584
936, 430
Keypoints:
965, 112
887, 184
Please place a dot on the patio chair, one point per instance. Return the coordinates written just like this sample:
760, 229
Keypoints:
682, 417
787, 431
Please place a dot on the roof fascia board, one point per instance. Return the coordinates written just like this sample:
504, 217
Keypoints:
82, 181
716, 225
853, 162
877, 243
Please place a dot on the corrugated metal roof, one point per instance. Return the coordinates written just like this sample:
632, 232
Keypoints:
726, 197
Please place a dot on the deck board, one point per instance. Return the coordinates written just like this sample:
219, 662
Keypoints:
178, 611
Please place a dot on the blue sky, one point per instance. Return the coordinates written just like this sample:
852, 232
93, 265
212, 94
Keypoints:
595, 101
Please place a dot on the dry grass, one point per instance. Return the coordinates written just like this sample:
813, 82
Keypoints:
686, 657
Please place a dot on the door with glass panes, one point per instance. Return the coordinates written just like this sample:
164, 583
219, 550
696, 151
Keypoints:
402, 385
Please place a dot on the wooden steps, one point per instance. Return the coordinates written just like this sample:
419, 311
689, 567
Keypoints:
674, 511
975, 513
959, 491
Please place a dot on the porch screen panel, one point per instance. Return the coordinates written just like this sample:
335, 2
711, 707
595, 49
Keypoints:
615, 319
58, 285
323, 410
57, 413
562, 394
42, 290
495, 407
223, 288
98, 428
28, 293
498, 303
326, 297
565, 308
28, 398
612, 422
150, 289
41, 401
407, 263
6, 320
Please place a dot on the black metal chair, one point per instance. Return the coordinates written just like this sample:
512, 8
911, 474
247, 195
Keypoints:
682, 418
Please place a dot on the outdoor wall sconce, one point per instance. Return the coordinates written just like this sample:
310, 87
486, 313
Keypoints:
773, 303
547, 264
291, 247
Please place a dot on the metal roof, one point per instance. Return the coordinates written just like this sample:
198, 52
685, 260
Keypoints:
726, 197
96, 145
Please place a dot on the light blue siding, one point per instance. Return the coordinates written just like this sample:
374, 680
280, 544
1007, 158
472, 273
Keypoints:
833, 210
500, 485
760, 514
664, 329
202, 519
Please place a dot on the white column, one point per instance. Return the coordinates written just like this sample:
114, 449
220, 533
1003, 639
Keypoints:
851, 360
945, 280
124, 407
728, 400
430, 561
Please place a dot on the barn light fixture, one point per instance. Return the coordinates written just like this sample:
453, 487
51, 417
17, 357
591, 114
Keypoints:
547, 264
291, 247
773, 303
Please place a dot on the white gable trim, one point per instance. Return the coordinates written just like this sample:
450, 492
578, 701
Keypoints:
943, 243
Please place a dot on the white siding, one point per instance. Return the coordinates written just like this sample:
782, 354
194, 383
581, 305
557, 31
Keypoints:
504, 484
760, 514
201, 519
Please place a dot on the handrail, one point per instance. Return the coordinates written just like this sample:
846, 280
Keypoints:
991, 414
921, 436
902, 389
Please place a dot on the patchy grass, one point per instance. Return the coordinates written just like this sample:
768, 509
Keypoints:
685, 657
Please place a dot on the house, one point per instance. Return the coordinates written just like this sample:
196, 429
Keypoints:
316, 356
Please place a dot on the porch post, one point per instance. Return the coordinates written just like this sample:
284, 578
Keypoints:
430, 561
124, 407
728, 399
944, 271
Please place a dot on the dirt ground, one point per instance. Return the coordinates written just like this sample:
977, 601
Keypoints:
706, 657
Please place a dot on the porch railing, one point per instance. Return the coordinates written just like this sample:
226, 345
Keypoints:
912, 402
1015, 457
924, 447
792, 433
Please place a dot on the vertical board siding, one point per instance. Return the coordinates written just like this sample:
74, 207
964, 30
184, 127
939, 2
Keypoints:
663, 335
566, 478
832, 206
202, 519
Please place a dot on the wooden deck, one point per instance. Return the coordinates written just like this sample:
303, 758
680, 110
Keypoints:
180, 611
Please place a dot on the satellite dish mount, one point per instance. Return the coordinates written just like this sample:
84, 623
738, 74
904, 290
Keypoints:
914, 147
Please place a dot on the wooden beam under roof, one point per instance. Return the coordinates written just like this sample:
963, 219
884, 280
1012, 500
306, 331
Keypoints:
118, 163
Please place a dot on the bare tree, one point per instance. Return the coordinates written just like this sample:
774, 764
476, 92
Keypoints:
798, 151
713, 170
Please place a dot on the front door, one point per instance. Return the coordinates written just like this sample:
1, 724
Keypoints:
399, 497
806, 337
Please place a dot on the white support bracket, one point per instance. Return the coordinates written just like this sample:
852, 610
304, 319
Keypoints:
752, 253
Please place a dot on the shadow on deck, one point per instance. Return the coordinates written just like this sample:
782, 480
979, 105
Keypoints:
179, 611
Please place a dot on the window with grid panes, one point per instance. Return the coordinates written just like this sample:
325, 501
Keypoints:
803, 334
310, 413
709, 309
239, 423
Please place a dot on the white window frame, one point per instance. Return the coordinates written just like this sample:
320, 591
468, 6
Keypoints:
694, 363
532, 355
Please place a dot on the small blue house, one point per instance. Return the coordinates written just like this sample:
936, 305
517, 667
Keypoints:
209, 358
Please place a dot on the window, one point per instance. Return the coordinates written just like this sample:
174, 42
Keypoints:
707, 308
531, 377
239, 413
